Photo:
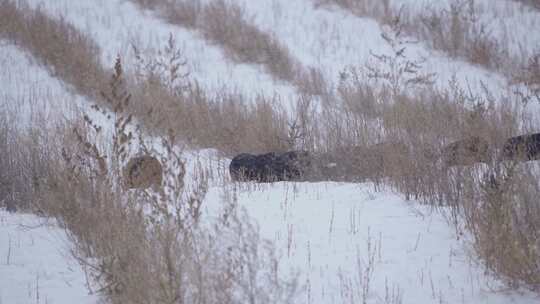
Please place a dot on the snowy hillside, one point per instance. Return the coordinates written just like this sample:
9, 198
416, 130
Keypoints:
347, 242
37, 266
118, 25
333, 40
352, 244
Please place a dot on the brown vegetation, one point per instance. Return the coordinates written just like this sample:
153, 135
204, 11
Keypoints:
142, 172
138, 246
140, 258
532, 3
226, 24
59, 46
228, 121
456, 30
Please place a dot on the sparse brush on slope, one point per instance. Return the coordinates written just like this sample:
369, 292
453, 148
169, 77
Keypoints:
61, 48
380, 109
368, 109
149, 246
226, 121
226, 24
502, 212
530, 77
532, 3
456, 30
25, 160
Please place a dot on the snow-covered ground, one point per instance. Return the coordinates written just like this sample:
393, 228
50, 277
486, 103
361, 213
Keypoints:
29, 92
337, 235
36, 265
333, 39
116, 25
509, 22
331, 231
35, 262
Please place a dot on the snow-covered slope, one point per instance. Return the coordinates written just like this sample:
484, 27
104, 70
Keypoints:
35, 262
509, 22
36, 265
349, 242
28, 90
336, 234
332, 39
115, 25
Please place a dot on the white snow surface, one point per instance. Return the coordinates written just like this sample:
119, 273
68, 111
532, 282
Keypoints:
35, 262
29, 92
326, 231
511, 23
36, 265
116, 25
333, 39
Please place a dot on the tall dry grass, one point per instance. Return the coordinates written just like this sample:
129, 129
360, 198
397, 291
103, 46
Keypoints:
457, 30
390, 134
137, 246
153, 245
529, 76
25, 159
502, 212
397, 135
60, 47
532, 3
228, 121
226, 24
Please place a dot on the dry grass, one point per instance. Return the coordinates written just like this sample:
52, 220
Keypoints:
148, 246
225, 23
227, 122
24, 161
532, 3
502, 212
140, 258
374, 112
530, 77
165, 256
136, 258
456, 30
60, 47
142, 246
409, 128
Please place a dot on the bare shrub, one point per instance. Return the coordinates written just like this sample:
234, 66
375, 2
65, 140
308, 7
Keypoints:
396, 71
226, 121
168, 67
